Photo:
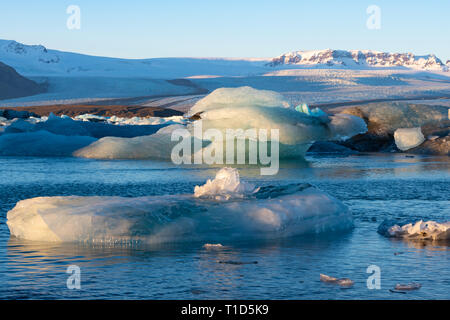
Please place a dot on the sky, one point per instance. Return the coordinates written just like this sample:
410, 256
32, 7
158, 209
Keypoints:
194, 28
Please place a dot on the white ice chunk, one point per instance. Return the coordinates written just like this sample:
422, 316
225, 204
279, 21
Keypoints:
239, 97
421, 230
155, 146
407, 138
226, 185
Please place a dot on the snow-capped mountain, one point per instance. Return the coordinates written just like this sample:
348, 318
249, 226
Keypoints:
38, 61
359, 59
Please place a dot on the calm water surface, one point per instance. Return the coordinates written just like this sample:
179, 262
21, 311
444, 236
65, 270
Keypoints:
375, 187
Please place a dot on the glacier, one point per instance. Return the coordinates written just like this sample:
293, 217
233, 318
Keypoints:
266, 212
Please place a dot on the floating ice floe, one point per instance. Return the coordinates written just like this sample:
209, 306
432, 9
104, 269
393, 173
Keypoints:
408, 138
268, 212
429, 230
408, 287
343, 282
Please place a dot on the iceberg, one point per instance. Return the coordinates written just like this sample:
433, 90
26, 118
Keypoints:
157, 146
235, 109
429, 230
226, 185
408, 138
238, 97
41, 143
385, 117
67, 126
265, 212
247, 108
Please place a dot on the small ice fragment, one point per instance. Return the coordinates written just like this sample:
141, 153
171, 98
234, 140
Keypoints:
316, 112
343, 282
238, 262
226, 185
212, 246
395, 291
408, 138
346, 282
325, 278
432, 137
408, 287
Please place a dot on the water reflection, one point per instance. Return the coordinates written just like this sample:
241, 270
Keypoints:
375, 187
422, 244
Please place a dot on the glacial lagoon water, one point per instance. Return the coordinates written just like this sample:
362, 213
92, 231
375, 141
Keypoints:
375, 187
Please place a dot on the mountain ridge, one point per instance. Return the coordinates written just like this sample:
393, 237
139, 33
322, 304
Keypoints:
13, 85
360, 58
37, 60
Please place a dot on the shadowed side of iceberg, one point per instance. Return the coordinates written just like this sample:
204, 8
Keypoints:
41, 143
